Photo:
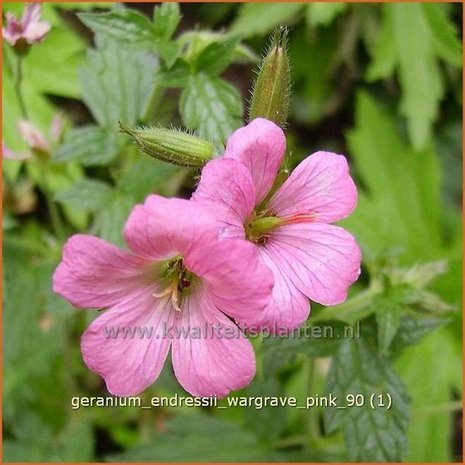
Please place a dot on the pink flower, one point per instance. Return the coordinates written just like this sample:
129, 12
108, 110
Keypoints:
29, 29
35, 139
310, 258
177, 279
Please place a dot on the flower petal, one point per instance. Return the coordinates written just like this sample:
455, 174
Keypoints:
320, 185
226, 187
233, 276
33, 137
162, 228
288, 307
260, 146
94, 273
210, 354
321, 260
127, 346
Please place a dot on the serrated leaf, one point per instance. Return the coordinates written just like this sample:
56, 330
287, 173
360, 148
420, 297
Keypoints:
86, 194
418, 71
407, 42
397, 180
259, 18
413, 327
216, 57
445, 38
125, 26
89, 145
166, 18
117, 83
323, 14
189, 437
211, 106
371, 435
384, 57
317, 340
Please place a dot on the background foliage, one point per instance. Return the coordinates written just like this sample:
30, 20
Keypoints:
380, 83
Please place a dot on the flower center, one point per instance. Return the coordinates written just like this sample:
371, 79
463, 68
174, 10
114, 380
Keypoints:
259, 225
179, 280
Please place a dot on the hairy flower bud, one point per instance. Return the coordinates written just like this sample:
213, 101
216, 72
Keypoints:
171, 146
270, 96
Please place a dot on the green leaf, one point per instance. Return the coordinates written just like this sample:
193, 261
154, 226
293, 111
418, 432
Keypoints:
268, 422
189, 437
109, 223
89, 145
432, 370
125, 26
211, 106
216, 57
323, 14
407, 41
384, 56
446, 41
418, 71
397, 180
371, 435
388, 315
414, 326
145, 176
117, 83
260, 18
166, 18
316, 340
86, 194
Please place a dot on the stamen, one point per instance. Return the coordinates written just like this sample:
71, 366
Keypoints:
299, 218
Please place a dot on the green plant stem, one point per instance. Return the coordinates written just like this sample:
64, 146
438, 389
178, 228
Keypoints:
312, 415
18, 79
57, 224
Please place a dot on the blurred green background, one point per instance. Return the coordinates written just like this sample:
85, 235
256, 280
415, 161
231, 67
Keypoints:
380, 83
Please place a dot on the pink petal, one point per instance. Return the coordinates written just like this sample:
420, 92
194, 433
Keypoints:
321, 260
162, 228
33, 137
34, 29
233, 276
94, 273
288, 307
132, 360
226, 187
31, 14
206, 362
320, 185
13, 30
36, 32
260, 146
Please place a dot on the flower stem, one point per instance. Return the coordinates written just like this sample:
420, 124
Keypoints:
18, 79
312, 415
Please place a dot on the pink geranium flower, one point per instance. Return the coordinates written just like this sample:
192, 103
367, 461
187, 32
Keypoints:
289, 224
29, 29
177, 282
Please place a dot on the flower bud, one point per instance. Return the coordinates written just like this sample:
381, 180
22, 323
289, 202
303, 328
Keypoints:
171, 146
270, 96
